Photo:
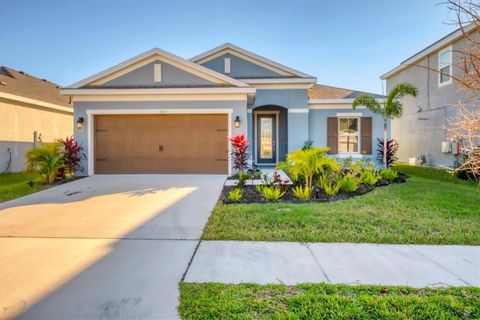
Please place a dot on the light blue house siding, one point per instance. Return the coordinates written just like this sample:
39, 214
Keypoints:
239, 108
318, 127
293, 126
239, 68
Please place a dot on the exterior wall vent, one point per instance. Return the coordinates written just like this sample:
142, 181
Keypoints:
157, 72
227, 65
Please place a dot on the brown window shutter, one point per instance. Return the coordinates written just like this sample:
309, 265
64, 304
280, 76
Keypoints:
332, 134
366, 132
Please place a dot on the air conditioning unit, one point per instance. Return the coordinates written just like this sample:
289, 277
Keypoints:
413, 161
446, 147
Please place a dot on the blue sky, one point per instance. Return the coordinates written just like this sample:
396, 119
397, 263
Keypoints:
345, 43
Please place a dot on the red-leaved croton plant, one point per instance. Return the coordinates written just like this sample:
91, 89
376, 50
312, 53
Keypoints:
239, 152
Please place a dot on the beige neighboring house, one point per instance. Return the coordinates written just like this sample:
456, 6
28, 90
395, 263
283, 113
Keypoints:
31, 110
420, 131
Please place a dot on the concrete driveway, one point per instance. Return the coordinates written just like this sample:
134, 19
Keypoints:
107, 246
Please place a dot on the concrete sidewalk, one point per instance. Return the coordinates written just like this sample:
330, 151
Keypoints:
293, 263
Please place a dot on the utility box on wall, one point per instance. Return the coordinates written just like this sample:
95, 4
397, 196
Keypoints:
446, 147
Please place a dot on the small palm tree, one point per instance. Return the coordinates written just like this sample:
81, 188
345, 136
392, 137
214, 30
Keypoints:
47, 160
392, 107
306, 163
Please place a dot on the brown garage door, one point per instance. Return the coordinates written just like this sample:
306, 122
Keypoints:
180, 143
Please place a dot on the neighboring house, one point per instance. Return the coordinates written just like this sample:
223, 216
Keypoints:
160, 113
420, 132
31, 110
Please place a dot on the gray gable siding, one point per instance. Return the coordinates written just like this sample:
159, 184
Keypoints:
171, 76
240, 68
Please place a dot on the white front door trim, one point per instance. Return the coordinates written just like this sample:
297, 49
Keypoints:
91, 130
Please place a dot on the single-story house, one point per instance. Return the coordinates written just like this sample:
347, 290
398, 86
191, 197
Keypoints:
31, 110
160, 113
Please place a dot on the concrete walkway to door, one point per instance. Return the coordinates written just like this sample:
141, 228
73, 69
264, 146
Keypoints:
107, 246
348, 263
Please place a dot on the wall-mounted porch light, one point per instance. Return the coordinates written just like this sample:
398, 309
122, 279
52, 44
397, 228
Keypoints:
237, 122
80, 123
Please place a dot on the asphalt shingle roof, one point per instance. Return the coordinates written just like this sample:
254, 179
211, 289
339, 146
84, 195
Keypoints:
27, 86
327, 92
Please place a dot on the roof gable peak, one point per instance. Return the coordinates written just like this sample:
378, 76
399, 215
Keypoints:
152, 55
253, 57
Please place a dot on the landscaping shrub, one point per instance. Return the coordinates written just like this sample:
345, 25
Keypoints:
388, 174
47, 160
302, 193
271, 193
72, 156
329, 184
307, 163
392, 148
349, 183
240, 153
369, 177
242, 179
235, 194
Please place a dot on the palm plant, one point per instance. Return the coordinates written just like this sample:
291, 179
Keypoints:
47, 159
391, 108
306, 163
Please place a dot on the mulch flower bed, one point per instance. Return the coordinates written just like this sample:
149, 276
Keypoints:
251, 195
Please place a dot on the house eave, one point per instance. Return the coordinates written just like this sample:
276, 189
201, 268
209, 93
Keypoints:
155, 91
335, 101
446, 41
253, 81
35, 102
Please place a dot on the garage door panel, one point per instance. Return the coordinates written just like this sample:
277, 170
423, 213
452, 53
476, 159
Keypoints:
161, 143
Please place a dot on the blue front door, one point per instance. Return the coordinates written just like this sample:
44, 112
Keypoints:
266, 138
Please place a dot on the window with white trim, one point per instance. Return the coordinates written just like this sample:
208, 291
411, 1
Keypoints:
445, 66
227, 65
348, 135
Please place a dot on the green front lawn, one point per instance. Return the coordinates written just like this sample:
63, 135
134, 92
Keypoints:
324, 301
15, 185
430, 208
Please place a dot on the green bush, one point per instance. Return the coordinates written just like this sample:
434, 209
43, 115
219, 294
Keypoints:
388, 174
305, 164
302, 193
349, 183
242, 179
271, 193
329, 184
235, 194
369, 177
47, 160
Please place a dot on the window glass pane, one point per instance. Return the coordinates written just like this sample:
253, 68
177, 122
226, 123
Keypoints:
444, 58
353, 125
343, 125
444, 74
348, 135
266, 138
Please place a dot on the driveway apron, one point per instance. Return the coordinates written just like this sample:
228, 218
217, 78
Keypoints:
106, 246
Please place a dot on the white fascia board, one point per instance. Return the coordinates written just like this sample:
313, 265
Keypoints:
36, 102
454, 36
251, 54
336, 101
160, 52
280, 80
74, 92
